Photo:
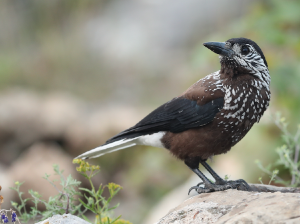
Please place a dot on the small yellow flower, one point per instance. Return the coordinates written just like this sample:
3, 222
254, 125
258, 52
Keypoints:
85, 166
76, 161
105, 219
122, 221
114, 186
95, 168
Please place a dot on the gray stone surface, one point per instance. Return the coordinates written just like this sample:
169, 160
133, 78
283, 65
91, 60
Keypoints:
234, 206
64, 219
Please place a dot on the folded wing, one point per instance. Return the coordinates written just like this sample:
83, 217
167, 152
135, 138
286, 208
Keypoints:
177, 115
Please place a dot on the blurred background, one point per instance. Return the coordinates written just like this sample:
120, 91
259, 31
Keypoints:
74, 73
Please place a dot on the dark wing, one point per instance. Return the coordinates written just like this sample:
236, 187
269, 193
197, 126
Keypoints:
177, 115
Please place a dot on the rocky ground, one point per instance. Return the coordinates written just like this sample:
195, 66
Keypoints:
234, 206
64, 219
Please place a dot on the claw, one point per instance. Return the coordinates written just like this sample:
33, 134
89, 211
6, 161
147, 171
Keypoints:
200, 184
210, 187
244, 184
201, 190
230, 186
240, 185
193, 188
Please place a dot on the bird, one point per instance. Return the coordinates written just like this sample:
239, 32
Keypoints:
209, 118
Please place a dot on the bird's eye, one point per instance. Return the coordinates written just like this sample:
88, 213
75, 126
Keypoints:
245, 50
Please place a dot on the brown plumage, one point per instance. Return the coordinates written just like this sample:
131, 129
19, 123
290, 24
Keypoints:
224, 131
210, 117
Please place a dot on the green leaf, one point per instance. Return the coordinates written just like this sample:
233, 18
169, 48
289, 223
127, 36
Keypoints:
47, 214
46, 176
84, 204
117, 205
85, 218
86, 190
116, 219
95, 173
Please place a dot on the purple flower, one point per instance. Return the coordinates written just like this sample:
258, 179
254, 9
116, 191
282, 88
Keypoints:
2, 216
5, 220
13, 216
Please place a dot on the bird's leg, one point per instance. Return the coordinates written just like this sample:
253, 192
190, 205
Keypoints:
193, 164
208, 185
220, 185
237, 184
218, 179
205, 180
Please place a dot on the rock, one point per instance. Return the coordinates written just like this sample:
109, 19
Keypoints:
27, 118
234, 206
64, 219
32, 165
179, 193
175, 197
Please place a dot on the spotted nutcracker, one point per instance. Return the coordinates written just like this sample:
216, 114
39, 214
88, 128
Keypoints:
210, 117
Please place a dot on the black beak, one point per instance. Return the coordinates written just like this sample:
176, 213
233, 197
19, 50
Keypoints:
219, 48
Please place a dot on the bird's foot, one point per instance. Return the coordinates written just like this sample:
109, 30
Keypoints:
240, 185
221, 186
209, 188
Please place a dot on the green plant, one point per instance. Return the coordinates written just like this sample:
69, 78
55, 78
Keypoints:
288, 156
67, 200
96, 203
63, 202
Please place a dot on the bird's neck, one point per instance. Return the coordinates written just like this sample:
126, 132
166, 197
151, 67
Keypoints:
233, 71
239, 74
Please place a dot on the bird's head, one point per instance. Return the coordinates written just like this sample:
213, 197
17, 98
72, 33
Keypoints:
240, 56
239, 52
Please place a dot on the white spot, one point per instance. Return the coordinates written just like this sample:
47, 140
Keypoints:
152, 140
233, 92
